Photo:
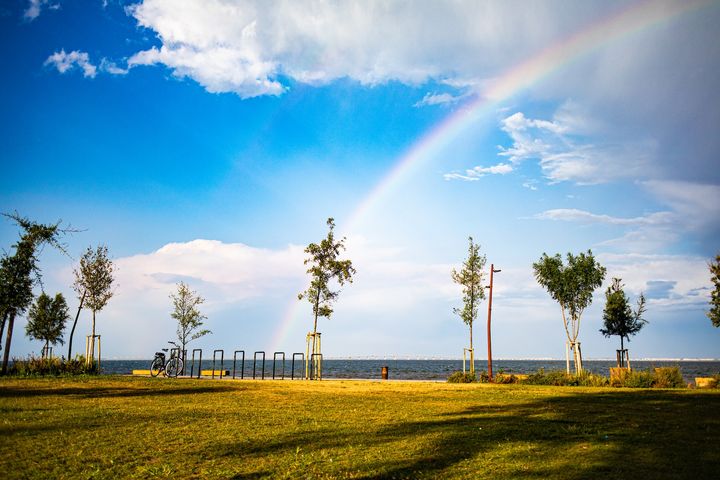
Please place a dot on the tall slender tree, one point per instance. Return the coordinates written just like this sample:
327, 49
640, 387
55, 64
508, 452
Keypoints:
46, 319
471, 277
20, 272
572, 286
324, 267
618, 317
714, 312
188, 316
94, 279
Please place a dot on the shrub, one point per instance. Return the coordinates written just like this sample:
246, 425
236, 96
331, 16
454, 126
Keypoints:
587, 379
638, 379
505, 378
460, 377
38, 366
557, 378
668, 377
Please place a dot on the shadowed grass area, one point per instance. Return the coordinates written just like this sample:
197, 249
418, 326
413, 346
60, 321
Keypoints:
117, 427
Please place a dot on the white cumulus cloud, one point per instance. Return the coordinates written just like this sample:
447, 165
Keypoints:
247, 47
66, 61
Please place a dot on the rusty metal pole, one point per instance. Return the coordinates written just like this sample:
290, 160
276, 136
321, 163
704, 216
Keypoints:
489, 340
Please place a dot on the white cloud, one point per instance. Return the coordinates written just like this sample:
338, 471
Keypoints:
438, 99
246, 47
112, 68
67, 61
35, 7
684, 277
696, 204
564, 155
477, 172
575, 215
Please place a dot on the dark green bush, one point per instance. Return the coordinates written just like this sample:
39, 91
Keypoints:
638, 379
557, 378
37, 366
668, 377
460, 377
505, 378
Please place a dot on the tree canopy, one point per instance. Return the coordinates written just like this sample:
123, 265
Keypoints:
187, 314
618, 317
324, 267
471, 278
714, 312
93, 282
20, 272
572, 286
46, 319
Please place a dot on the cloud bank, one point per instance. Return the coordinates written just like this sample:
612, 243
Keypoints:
249, 47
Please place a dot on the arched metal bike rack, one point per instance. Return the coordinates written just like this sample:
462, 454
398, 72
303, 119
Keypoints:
275, 355
192, 366
263, 364
242, 365
292, 368
222, 362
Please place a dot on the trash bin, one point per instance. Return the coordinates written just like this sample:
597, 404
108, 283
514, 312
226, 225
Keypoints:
384, 373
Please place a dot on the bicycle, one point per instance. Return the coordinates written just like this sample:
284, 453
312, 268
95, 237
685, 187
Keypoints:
172, 367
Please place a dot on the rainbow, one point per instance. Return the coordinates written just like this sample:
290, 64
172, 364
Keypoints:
608, 30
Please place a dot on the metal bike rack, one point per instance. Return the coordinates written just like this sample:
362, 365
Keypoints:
275, 355
192, 366
242, 365
263, 364
222, 362
292, 368
316, 373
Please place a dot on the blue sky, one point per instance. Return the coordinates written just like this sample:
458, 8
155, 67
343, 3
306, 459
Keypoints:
208, 141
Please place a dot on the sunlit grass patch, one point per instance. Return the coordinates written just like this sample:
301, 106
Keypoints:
118, 427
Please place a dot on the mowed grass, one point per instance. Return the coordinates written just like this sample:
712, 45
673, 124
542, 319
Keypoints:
121, 427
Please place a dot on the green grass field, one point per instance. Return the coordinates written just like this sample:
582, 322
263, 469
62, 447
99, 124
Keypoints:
120, 427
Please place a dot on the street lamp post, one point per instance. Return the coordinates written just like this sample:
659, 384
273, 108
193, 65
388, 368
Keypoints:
492, 270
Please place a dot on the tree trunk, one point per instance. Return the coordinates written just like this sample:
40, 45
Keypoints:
91, 360
2, 327
317, 306
472, 354
72, 332
6, 353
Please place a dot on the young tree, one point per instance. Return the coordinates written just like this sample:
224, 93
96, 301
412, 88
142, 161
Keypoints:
189, 318
572, 286
46, 319
714, 312
471, 279
324, 268
20, 272
94, 279
618, 317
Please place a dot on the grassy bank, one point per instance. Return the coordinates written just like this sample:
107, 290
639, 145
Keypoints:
113, 427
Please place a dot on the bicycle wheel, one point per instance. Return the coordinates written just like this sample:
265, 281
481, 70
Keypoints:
156, 367
173, 367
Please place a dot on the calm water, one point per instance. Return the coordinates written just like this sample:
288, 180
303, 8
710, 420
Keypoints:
417, 369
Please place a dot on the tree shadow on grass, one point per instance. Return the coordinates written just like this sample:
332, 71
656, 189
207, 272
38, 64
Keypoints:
94, 391
649, 434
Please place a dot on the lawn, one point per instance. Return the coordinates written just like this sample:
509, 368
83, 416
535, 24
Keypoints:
122, 427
